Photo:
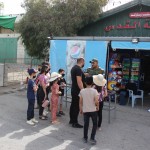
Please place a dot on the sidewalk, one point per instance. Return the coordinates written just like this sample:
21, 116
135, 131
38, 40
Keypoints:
129, 131
9, 89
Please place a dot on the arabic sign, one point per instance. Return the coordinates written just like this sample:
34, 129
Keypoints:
134, 25
140, 15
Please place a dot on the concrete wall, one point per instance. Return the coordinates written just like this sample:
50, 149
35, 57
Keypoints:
15, 73
6, 31
20, 50
14, 35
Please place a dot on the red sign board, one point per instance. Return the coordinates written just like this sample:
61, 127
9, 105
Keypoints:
128, 25
140, 15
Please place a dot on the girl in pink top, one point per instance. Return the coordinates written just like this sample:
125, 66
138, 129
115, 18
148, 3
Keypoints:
55, 95
100, 83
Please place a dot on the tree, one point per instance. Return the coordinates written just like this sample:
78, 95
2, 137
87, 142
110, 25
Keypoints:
57, 17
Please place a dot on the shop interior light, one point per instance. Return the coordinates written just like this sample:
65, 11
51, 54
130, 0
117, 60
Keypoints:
135, 40
136, 50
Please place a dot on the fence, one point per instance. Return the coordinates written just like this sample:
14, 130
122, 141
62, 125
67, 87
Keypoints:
15, 70
108, 105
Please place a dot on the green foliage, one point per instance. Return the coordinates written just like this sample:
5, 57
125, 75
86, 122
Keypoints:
59, 17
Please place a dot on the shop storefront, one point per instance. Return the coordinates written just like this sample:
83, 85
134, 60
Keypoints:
129, 62
127, 28
122, 59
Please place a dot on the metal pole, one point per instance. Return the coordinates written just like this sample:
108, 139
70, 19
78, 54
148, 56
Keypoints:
115, 106
107, 62
106, 76
66, 95
31, 62
4, 73
66, 87
109, 109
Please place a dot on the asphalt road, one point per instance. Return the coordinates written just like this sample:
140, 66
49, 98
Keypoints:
129, 131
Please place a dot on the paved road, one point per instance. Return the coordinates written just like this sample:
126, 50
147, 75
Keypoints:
129, 131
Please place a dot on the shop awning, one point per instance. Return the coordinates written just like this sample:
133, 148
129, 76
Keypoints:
64, 53
130, 45
7, 22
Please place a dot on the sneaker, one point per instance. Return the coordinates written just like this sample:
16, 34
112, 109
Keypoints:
93, 142
34, 120
45, 113
45, 117
149, 110
58, 115
42, 118
76, 125
62, 113
99, 128
30, 122
84, 140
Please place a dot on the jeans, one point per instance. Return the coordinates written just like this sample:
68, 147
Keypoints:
99, 112
41, 96
47, 92
74, 108
30, 110
37, 96
87, 116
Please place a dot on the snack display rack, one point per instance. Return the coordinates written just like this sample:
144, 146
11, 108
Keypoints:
126, 70
135, 70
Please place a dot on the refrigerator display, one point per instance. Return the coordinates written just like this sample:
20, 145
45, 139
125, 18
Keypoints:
135, 70
126, 70
131, 70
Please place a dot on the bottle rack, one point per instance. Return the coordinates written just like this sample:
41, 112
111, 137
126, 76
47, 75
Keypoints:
126, 70
135, 69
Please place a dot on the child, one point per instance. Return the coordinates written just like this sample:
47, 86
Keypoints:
41, 94
54, 96
88, 104
100, 82
62, 84
32, 88
37, 83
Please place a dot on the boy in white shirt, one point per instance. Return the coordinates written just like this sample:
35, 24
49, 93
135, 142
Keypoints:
88, 106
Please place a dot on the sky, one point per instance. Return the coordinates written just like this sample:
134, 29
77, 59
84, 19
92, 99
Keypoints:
14, 6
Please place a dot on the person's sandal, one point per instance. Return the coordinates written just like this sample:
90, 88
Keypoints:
42, 118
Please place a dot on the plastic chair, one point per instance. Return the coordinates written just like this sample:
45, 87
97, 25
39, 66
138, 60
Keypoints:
133, 97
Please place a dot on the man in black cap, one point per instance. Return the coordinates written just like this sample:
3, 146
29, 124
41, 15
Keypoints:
94, 69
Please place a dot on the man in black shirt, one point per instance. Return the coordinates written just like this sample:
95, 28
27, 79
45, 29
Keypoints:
77, 77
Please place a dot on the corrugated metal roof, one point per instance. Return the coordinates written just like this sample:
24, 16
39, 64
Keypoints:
123, 7
98, 38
